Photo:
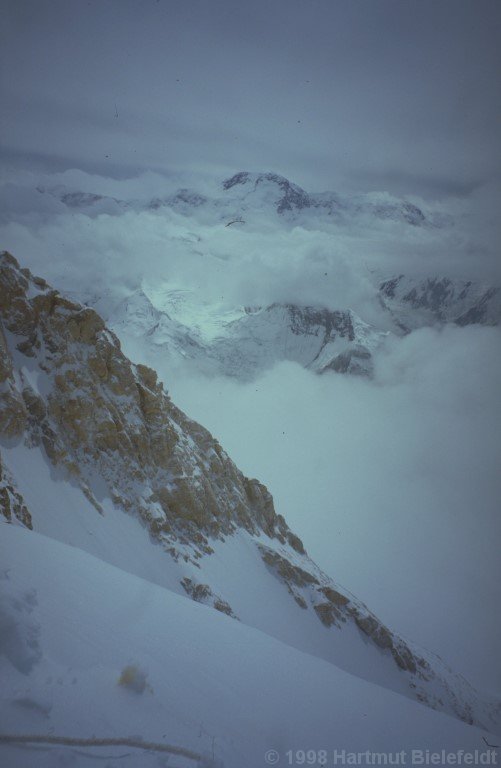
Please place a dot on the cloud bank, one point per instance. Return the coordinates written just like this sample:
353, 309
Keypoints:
387, 95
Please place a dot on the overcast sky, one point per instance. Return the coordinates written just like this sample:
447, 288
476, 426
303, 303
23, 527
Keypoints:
402, 95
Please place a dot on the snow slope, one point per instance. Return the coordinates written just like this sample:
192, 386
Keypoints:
212, 685
255, 579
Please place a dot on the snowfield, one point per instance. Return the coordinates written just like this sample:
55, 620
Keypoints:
212, 685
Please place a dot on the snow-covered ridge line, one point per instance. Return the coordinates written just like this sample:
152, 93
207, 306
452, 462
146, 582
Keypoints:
415, 303
89, 406
215, 686
245, 193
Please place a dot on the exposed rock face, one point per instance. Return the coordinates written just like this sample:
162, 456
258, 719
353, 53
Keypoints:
98, 411
12, 504
77, 199
89, 203
202, 593
334, 609
439, 299
12, 409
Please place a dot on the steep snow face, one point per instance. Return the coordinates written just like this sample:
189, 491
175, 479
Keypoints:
272, 190
95, 455
416, 303
318, 339
244, 342
260, 189
96, 653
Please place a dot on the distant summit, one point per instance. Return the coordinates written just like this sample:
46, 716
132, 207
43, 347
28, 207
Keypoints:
290, 196
287, 196
245, 194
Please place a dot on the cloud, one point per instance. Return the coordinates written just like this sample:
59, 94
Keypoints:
269, 259
335, 94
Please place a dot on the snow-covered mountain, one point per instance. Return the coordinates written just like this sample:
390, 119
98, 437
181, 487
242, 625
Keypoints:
173, 320
145, 573
108, 662
247, 219
253, 190
242, 342
245, 194
246, 341
416, 303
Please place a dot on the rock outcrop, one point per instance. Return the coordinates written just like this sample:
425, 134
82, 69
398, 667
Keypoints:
432, 300
92, 410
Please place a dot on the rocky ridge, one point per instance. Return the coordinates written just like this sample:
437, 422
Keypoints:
101, 412
432, 300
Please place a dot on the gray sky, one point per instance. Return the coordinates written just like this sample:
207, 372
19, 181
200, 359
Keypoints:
402, 95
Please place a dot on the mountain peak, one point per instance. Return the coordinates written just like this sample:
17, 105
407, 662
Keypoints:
242, 177
287, 196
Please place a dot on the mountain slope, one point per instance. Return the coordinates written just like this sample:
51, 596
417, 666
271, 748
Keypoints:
244, 195
246, 341
95, 454
259, 190
415, 303
190, 678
